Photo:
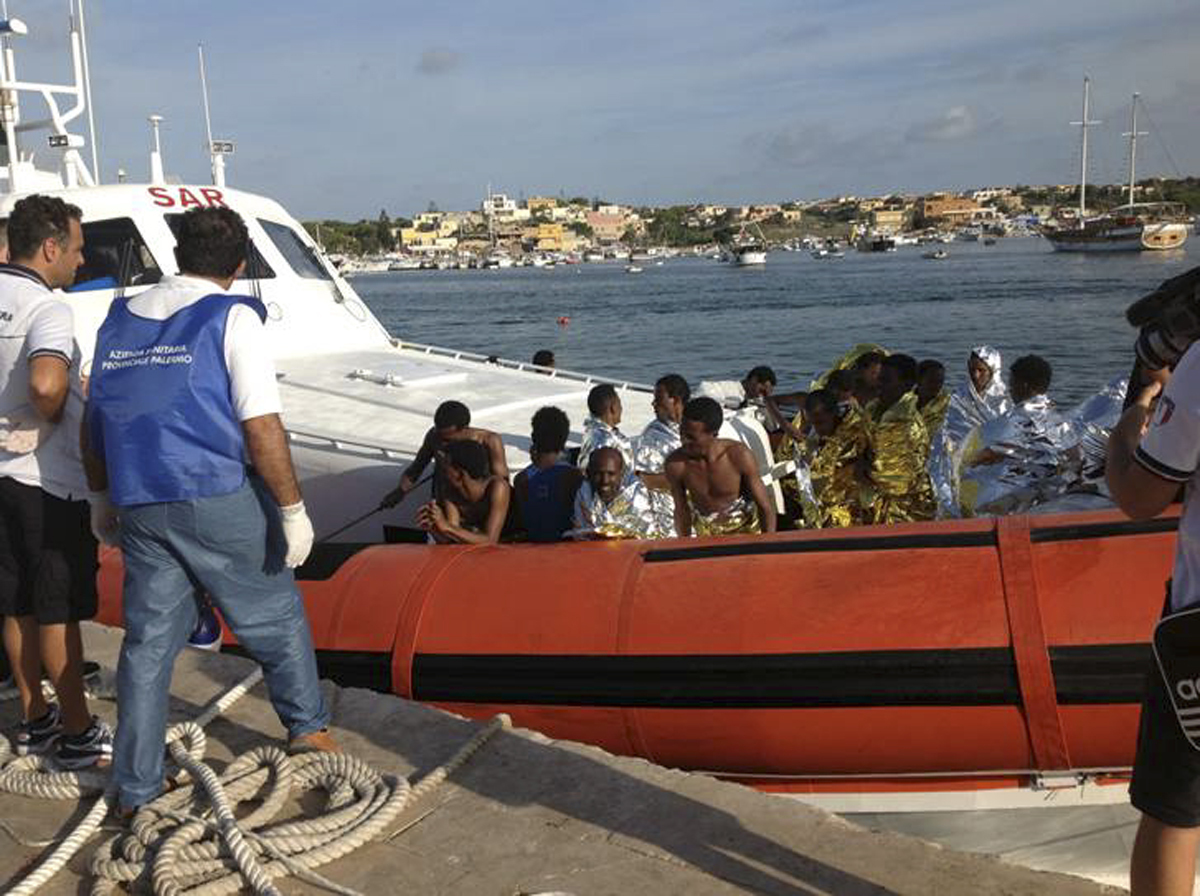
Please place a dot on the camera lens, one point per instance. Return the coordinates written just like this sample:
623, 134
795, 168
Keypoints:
1156, 349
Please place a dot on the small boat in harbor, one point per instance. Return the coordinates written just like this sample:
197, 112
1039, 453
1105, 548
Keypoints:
748, 248
633, 269
936, 255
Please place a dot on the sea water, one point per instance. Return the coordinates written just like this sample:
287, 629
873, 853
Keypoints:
708, 320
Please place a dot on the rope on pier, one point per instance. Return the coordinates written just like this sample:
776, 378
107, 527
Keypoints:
189, 839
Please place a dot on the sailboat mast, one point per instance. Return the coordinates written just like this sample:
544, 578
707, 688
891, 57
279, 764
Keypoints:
1083, 124
1133, 134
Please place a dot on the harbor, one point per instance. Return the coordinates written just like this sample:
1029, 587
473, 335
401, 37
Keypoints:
530, 815
837, 580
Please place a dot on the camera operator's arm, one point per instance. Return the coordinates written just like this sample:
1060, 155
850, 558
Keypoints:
1140, 482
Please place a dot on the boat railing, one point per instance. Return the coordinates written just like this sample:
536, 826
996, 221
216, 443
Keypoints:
555, 373
340, 443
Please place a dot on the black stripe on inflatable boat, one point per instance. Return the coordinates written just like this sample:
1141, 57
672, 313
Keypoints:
915, 541
1103, 530
908, 542
965, 677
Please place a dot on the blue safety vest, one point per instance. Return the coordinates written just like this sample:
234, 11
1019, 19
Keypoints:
159, 410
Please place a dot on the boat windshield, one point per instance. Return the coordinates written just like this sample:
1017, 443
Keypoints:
295, 251
114, 255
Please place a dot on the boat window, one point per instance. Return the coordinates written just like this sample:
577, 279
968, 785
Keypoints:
295, 251
257, 267
114, 254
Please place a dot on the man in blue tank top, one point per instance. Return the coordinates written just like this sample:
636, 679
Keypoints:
183, 434
545, 490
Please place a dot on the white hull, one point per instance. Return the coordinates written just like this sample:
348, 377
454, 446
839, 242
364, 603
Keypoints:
1138, 238
1084, 830
744, 259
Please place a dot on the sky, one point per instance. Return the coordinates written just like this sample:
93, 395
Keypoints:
341, 110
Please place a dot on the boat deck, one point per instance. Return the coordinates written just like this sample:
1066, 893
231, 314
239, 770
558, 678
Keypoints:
530, 815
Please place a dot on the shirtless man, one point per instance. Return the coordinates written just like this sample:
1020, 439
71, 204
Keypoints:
475, 505
451, 423
715, 482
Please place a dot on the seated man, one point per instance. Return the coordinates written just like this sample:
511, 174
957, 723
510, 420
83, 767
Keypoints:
899, 446
834, 461
657, 441
980, 397
714, 482
868, 371
932, 399
841, 384
601, 428
545, 490
1012, 462
612, 502
451, 423
475, 504
543, 357
733, 395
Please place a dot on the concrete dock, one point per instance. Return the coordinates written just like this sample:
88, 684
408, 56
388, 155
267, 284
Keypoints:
528, 815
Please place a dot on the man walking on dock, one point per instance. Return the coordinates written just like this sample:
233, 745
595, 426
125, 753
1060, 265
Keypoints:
183, 395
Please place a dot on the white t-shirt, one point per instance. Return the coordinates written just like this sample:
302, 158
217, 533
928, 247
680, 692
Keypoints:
35, 322
1171, 449
247, 355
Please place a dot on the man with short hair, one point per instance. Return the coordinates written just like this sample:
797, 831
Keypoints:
543, 357
602, 427
182, 396
657, 441
47, 552
932, 398
451, 423
1012, 462
612, 502
868, 373
715, 482
899, 446
545, 490
474, 506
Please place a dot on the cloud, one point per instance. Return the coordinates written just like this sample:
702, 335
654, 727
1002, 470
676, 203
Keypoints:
798, 146
438, 61
957, 123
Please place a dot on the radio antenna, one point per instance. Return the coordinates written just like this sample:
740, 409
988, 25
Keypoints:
217, 149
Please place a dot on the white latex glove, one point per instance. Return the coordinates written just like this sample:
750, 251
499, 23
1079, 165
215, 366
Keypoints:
297, 533
20, 434
106, 525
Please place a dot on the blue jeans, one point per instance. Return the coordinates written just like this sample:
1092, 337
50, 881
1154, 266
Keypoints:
232, 547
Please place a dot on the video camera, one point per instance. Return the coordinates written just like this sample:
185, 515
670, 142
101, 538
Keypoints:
1169, 320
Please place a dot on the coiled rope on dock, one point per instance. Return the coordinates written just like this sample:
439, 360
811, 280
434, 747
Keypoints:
189, 838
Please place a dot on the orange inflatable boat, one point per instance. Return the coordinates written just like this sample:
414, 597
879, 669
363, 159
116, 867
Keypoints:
934, 656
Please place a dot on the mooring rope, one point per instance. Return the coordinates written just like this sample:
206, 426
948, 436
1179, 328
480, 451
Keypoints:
189, 840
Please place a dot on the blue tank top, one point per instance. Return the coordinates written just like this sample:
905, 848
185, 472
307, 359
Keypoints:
547, 516
159, 410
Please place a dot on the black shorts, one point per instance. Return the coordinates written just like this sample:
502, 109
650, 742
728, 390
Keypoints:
1166, 772
47, 556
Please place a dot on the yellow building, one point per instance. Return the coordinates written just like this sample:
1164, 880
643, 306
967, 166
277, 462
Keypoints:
537, 204
550, 237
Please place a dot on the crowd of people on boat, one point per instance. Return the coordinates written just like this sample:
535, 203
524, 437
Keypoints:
877, 439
